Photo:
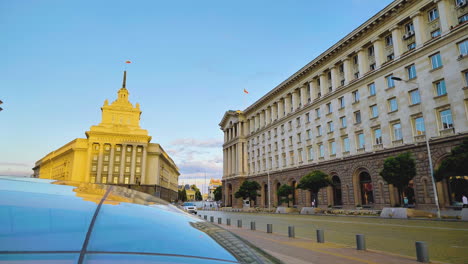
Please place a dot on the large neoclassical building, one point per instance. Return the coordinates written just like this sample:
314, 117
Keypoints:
117, 151
399, 79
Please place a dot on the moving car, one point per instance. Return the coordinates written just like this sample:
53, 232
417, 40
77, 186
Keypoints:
190, 208
52, 221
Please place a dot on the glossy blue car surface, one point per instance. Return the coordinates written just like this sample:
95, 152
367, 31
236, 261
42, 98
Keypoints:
48, 221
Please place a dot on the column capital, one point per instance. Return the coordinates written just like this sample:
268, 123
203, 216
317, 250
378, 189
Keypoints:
361, 49
375, 39
345, 58
395, 27
416, 14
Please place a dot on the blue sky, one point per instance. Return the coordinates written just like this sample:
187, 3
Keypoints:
191, 62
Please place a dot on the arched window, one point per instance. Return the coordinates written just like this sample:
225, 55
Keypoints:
367, 190
337, 194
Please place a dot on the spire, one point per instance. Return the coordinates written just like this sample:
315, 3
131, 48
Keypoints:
124, 79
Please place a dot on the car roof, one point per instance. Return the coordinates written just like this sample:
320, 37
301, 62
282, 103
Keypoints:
82, 219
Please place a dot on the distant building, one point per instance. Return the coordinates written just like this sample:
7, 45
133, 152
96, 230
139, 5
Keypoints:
398, 79
117, 151
214, 183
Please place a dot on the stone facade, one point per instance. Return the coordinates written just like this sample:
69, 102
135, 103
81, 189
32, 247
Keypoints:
395, 81
116, 151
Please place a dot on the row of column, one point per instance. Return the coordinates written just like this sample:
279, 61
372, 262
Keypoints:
332, 78
109, 174
235, 162
237, 130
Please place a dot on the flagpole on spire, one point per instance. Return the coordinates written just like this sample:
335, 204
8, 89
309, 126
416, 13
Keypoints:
124, 79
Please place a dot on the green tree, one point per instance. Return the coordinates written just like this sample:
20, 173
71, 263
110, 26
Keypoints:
456, 164
284, 192
182, 195
218, 193
248, 190
313, 182
399, 171
198, 196
194, 187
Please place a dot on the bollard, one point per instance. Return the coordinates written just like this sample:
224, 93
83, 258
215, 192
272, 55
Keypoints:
219, 220
360, 242
206, 217
422, 253
269, 228
228, 221
252, 225
320, 236
211, 219
239, 223
291, 231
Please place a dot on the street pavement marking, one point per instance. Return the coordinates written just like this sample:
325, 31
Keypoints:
309, 246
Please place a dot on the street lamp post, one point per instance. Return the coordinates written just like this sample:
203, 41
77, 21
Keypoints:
431, 169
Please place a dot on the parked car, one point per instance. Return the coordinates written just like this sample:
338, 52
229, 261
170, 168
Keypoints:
190, 208
51, 221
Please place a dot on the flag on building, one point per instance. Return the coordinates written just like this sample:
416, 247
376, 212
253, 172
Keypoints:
128, 62
245, 91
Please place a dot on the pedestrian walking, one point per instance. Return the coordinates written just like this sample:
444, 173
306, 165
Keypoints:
465, 201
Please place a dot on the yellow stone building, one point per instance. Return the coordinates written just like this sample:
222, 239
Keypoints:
117, 151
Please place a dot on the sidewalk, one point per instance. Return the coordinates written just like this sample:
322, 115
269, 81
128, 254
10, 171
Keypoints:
302, 251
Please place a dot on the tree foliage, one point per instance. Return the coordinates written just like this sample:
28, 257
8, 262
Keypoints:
456, 164
284, 192
314, 181
218, 193
248, 190
182, 195
198, 196
399, 170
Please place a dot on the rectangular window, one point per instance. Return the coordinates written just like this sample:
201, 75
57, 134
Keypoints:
117, 158
372, 66
419, 125
290, 141
330, 126
355, 59
397, 134
411, 70
332, 148
322, 151
371, 89
299, 155
329, 108
309, 134
291, 157
139, 149
415, 98
436, 33
94, 168
356, 75
317, 112
343, 121
361, 142
390, 56
126, 180
128, 159
436, 61
95, 157
115, 180
409, 28
440, 88
319, 130
355, 96
392, 104
299, 137
412, 46
433, 14
463, 47
137, 169
116, 169
389, 40
290, 125
298, 121
346, 144
446, 119
104, 180
127, 169
307, 117
377, 136
357, 117
93, 179
310, 151
463, 19
465, 74
370, 51
105, 168
390, 81
374, 111
106, 158
342, 102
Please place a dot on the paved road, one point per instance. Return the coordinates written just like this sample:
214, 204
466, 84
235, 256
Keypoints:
447, 241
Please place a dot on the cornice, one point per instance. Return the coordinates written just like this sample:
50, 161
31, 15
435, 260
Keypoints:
349, 39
